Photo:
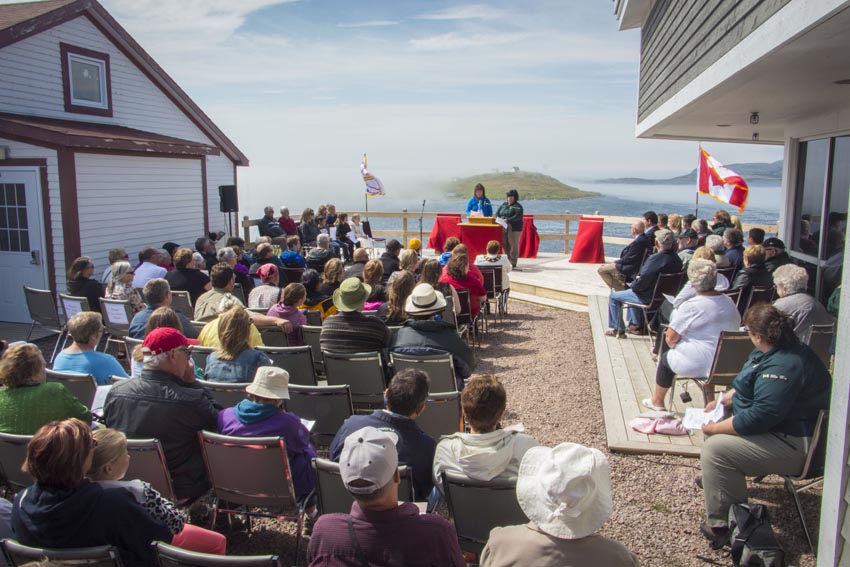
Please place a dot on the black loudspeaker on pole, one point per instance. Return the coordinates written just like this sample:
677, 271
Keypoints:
228, 200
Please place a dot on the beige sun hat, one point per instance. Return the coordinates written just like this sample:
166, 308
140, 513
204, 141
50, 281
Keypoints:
424, 300
351, 294
565, 490
270, 382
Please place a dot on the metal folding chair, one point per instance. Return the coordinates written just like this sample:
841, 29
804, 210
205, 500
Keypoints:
101, 556
181, 302
117, 315
363, 371
170, 556
13, 453
331, 495
228, 394
147, 463
327, 406
41, 304
297, 360
439, 367
442, 415
82, 386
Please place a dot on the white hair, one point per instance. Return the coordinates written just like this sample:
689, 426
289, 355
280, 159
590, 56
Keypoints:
323, 239
791, 278
284, 210
198, 259
702, 274
155, 360
715, 242
226, 254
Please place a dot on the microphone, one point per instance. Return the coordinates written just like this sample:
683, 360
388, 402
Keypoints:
423, 203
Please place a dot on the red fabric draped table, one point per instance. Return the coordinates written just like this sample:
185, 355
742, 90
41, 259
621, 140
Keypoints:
588, 247
476, 237
529, 241
445, 226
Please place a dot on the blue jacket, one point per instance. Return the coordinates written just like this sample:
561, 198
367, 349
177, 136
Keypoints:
632, 255
482, 205
736, 256
137, 325
663, 262
292, 259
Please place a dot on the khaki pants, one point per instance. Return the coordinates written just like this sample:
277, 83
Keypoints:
510, 242
612, 277
727, 461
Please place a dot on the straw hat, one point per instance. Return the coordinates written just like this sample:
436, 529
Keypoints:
270, 382
424, 301
351, 295
565, 490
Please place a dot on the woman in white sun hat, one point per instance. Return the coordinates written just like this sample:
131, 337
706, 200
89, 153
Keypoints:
566, 493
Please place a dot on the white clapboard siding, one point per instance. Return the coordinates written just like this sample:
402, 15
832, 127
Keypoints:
135, 202
31, 71
20, 150
219, 172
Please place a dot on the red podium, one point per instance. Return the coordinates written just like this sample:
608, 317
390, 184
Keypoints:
476, 237
588, 247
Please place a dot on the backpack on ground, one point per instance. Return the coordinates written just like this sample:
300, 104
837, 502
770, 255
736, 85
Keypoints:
752, 539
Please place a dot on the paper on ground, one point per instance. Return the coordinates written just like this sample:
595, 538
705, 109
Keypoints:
308, 424
695, 418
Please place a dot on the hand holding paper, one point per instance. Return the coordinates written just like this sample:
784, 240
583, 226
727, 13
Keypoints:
695, 418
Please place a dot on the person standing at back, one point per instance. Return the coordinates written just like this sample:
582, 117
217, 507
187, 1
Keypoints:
511, 211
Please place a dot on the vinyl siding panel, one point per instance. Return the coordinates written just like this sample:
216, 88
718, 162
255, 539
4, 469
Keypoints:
681, 39
135, 202
32, 83
220, 171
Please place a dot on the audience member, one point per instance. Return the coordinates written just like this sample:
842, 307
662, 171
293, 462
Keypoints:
373, 275
408, 263
675, 224
157, 294
431, 273
291, 297
688, 222
85, 329
268, 293
165, 259
287, 223
360, 256
493, 258
206, 248
389, 259
351, 331
316, 300
365, 241
291, 257
332, 276
566, 493
650, 222
265, 255
161, 317
688, 241
803, 309
62, 509
617, 275
379, 527
234, 360
308, 230
755, 236
115, 255
331, 216
81, 283
662, 221
457, 274
715, 243
148, 267
319, 256
732, 240
120, 286
775, 254
722, 221
392, 312
754, 273
687, 291
448, 248
228, 256
27, 401
268, 226
168, 404
701, 228
261, 414
344, 236
209, 336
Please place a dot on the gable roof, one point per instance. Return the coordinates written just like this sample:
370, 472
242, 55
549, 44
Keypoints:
19, 21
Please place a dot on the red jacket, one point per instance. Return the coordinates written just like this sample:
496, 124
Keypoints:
288, 225
474, 282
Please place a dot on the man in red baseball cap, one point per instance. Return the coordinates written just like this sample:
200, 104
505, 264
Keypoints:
168, 404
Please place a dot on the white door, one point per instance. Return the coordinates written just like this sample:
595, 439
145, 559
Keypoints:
21, 245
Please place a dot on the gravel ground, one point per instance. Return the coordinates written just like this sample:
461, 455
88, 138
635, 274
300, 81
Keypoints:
545, 359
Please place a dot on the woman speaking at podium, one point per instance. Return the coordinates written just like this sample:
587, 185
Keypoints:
479, 205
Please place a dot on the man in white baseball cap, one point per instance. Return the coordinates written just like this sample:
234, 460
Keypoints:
566, 493
379, 530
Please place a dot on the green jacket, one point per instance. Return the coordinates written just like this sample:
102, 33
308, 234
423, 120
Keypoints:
23, 409
512, 214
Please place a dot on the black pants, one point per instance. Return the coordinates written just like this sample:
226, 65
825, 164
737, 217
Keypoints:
664, 375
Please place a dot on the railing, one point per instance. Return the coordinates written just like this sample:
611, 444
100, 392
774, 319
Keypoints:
566, 237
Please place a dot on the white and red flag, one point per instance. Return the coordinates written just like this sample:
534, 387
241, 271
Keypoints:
715, 179
373, 184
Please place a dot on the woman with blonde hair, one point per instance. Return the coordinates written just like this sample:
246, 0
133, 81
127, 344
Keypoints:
121, 286
373, 273
161, 317
332, 276
234, 360
674, 223
392, 312
408, 263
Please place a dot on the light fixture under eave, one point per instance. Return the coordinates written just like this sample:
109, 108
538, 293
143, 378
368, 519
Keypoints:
755, 136
754, 118
723, 125
843, 82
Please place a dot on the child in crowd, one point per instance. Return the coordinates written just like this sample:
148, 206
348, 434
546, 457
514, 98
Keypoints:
293, 295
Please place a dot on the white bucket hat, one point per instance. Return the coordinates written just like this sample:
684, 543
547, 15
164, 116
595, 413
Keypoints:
424, 301
270, 382
565, 490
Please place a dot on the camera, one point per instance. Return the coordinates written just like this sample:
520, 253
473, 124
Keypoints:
685, 397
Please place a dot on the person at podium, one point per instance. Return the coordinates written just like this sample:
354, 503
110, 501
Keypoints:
479, 205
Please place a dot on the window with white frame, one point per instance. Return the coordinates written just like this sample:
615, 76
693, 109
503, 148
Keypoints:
86, 81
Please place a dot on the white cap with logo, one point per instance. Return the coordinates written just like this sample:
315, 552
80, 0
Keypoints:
369, 455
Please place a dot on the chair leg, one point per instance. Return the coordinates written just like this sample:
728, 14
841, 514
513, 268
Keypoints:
789, 484
29, 334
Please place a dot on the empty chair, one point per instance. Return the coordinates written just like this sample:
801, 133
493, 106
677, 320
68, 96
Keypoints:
820, 341
147, 463
439, 367
13, 452
331, 495
298, 361
170, 556
442, 415
72, 304
101, 556
228, 394
82, 386
311, 335
314, 317
362, 371
327, 406
181, 302
200, 354
41, 304
117, 315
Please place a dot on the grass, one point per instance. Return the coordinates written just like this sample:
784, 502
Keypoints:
530, 185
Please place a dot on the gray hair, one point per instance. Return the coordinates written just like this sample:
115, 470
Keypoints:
120, 269
665, 238
226, 254
155, 360
284, 210
164, 254
198, 259
263, 239
702, 274
156, 290
116, 254
715, 242
791, 278
323, 239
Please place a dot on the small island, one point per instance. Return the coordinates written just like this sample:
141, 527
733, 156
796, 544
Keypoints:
530, 186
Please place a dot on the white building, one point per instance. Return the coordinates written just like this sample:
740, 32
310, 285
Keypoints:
99, 148
776, 72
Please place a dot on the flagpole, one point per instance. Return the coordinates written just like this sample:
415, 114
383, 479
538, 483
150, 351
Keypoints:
699, 169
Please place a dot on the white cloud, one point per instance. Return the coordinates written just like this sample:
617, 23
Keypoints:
369, 24
468, 12
454, 40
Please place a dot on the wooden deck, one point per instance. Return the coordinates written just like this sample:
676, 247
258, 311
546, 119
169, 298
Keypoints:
626, 376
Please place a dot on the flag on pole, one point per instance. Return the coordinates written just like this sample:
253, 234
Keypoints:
723, 184
373, 184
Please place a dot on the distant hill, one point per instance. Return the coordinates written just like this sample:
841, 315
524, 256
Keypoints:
530, 185
753, 174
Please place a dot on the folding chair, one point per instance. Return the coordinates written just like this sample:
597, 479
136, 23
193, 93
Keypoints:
72, 304
666, 284
327, 406
247, 473
147, 463
331, 495
170, 556
314, 317
363, 371
442, 415
729, 272
449, 312
181, 302
42, 308
274, 337
117, 315
291, 275
489, 273
101, 556
820, 341
130, 344
733, 349
13, 453
758, 294
476, 507
82, 386
465, 324
734, 295
200, 354
439, 367
367, 230
198, 325
228, 394
297, 360
239, 293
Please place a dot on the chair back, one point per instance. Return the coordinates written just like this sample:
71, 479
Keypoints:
734, 295
314, 317
200, 354
130, 344
228, 458
668, 284
449, 311
42, 308
733, 349
476, 507
728, 271
198, 325
72, 304
239, 293
113, 379
327, 406
331, 495
13, 453
820, 341
101, 556
117, 314
816, 456
363, 371
297, 360
311, 334
274, 337
147, 463
228, 394
291, 275
82, 386
463, 318
489, 274
181, 302
442, 415
170, 556
759, 294
439, 367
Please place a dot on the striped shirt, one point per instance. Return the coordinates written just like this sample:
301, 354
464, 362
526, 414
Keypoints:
354, 332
